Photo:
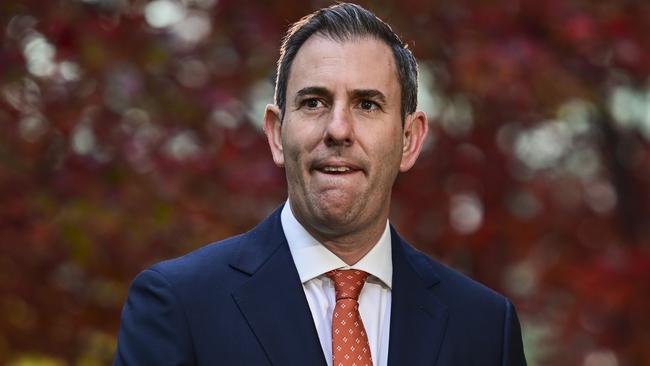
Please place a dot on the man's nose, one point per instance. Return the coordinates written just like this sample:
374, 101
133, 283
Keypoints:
340, 129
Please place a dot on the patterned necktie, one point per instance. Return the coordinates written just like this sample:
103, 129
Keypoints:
349, 340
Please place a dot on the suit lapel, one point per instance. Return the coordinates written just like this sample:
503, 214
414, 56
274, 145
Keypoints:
418, 319
273, 300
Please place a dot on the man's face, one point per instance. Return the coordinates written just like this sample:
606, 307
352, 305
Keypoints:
341, 139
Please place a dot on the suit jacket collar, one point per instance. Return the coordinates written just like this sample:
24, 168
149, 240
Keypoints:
274, 304
418, 319
273, 300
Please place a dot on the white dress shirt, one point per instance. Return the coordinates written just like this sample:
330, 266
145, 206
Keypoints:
313, 260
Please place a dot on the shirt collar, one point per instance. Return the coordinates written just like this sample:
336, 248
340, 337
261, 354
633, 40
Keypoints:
312, 259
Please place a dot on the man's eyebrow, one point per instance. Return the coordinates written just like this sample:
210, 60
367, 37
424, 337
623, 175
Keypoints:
314, 90
369, 94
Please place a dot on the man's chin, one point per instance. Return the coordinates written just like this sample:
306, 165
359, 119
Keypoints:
332, 212
336, 216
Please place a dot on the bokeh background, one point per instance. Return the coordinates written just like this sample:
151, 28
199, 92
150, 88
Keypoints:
130, 132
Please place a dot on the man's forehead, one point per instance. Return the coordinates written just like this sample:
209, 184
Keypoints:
360, 62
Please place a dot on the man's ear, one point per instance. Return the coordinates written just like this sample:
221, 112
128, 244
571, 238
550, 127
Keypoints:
273, 130
415, 131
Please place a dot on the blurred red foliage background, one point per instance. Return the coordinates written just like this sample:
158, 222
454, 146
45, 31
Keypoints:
130, 132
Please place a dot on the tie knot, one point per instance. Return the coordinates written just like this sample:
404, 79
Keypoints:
347, 283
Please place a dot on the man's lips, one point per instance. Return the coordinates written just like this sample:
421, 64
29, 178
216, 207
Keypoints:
336, 167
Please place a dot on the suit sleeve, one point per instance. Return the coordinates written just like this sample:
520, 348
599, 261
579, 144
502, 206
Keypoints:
154, 328
513, 349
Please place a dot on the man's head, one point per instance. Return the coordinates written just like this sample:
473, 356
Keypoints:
341, 132
344, 22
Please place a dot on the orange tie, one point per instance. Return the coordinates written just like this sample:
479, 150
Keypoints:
349, 340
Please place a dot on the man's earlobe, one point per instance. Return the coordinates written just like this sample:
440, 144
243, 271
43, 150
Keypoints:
273, 131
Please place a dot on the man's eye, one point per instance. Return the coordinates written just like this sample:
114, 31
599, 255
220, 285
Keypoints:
311, 103
368, 105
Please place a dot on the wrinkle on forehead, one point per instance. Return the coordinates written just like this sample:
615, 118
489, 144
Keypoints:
319, 61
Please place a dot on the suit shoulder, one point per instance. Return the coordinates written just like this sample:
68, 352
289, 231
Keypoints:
458, 287
211, 260
224, 263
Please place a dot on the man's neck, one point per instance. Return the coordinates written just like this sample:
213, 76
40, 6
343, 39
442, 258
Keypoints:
350, 247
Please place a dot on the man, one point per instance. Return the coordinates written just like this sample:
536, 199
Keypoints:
325, 280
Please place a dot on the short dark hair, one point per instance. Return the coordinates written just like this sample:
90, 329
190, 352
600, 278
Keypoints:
342, 22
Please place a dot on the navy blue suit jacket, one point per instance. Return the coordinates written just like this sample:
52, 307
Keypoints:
241, 302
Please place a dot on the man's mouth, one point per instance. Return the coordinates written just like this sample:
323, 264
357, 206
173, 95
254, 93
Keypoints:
335, 169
